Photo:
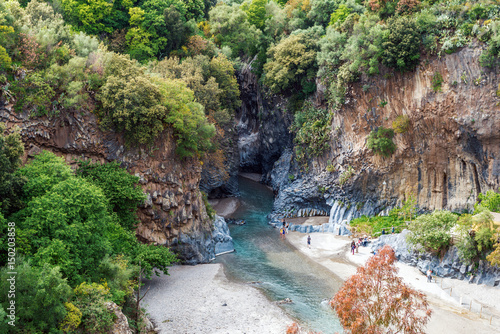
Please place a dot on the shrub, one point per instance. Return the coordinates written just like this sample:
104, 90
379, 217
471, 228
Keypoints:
401, 124
489, 200
40, 296
291, 64
437, 80
374, 225
346, 175
91, 300
118, 186
432, 231
401, 49
312, 131
380, 141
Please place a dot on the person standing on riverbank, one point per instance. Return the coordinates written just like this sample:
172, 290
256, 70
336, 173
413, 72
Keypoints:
353, 246
308, 241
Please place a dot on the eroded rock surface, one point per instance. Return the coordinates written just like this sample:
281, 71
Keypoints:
450, 153
173, 213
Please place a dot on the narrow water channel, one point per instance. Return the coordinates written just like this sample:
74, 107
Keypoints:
280, 270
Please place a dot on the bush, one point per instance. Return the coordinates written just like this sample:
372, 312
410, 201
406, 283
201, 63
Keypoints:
437, 80
119, 187
346, 175
401, 50
291, 65
380, 141
432, 231
374, 225
312, 131
40, 296
401, 124
489, 200
91, 300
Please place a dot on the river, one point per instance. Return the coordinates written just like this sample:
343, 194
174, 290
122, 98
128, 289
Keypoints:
279, 270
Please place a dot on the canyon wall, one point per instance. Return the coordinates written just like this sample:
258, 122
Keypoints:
173, 213
450, 153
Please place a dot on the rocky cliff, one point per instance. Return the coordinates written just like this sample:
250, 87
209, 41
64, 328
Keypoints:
262, 123
450, 153
173, 214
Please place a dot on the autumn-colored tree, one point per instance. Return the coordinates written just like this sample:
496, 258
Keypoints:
375, 300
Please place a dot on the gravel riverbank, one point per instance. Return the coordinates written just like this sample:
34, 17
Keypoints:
200, 299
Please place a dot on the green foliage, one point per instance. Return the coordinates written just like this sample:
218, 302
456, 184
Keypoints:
91, 300
380, 141
437, 80
340, 15
231, 28
346, 175
153, 259
11, 151
489, 200
141, 106
210, 210
401, 50
477, 234
119, 187
43, 173
40, 296
291, 64
432, 231
312, 131
373, 225
72, 319
401, 124
69, 226
256, 11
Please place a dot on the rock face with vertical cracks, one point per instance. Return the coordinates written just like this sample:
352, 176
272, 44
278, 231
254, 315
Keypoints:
173, 213
449, 154
262, 126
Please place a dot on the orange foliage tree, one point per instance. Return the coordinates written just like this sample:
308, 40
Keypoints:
375, 300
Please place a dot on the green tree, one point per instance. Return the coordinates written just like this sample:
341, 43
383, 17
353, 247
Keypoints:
69, 227
11, 183
291, 64
43, 173
231, 28
380, 141
340, 14
222, 70
432, 231
91, 300
40, 296
401, 50
256, 11
489, 200
119, 187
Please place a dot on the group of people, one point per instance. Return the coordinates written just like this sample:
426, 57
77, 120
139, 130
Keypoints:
284, 229
360, 242
284, 232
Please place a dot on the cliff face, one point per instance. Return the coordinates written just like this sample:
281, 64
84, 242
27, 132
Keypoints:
262, 124
449, 155
173, 214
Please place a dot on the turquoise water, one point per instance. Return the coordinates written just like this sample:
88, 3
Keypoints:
282, 272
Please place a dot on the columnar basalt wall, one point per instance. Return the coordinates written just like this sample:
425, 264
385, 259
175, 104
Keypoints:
450, 153
173, 213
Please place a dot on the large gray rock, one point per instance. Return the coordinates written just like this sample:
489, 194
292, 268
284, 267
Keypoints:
449, 265
221, 236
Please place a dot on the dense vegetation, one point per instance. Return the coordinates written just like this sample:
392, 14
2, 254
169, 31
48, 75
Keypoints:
75, 242
177, 59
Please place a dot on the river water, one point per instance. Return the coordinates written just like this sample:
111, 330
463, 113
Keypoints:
279, 270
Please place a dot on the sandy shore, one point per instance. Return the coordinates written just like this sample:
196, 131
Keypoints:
449, 316
200, 299
225, 207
